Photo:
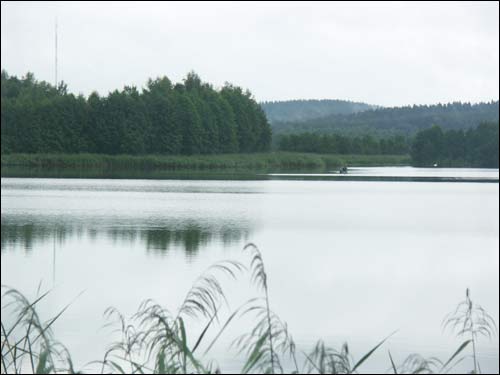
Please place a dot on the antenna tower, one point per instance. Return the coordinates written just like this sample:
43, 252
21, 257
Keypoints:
56, 54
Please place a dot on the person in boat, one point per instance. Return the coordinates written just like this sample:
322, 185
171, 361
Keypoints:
343, 170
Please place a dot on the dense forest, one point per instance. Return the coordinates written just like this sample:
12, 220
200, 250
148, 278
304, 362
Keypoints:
406, 121
341, 144
193, 118
303, 110
476, 147
163, 118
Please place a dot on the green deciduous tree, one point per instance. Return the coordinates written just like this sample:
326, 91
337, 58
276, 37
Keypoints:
186, 118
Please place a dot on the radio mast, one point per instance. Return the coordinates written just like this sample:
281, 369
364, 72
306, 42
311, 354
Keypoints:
56, 54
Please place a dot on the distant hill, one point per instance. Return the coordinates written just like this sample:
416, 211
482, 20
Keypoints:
303, 110
395, 121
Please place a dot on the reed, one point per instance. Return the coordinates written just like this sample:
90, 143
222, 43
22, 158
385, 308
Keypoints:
257, 161
27, 343
155, 340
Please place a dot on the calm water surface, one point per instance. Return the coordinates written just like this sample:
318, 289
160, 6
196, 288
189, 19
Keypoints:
347, 260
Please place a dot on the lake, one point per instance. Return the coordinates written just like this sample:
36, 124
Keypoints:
349, 258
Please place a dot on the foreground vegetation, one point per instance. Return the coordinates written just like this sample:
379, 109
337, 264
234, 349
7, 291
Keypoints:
155, 340
271, 160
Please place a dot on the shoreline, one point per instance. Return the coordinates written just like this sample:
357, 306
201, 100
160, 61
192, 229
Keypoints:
238, 162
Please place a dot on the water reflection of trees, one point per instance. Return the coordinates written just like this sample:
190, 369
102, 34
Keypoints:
190, 236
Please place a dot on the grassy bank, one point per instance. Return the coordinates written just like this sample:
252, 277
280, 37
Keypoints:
271, 160
156, 340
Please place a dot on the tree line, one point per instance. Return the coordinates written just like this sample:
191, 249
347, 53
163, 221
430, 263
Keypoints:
163, 118
476, 147
386, 122
341, 144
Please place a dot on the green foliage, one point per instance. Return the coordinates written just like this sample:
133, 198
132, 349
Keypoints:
340, 144
475, 147
427, 146
273, 161
405, 121
188, 118
253, 131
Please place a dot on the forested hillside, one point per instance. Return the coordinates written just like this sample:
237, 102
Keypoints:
384, 122
163, 118
303, 110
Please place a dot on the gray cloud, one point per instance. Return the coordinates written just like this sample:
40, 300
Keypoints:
381, 53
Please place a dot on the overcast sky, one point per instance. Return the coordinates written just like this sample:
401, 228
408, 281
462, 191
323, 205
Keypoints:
381, 53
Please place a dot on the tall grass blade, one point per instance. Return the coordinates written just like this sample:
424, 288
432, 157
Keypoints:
256, 354
457, 352
204, 332
41, 367
231, 317
392, 363
367, 355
